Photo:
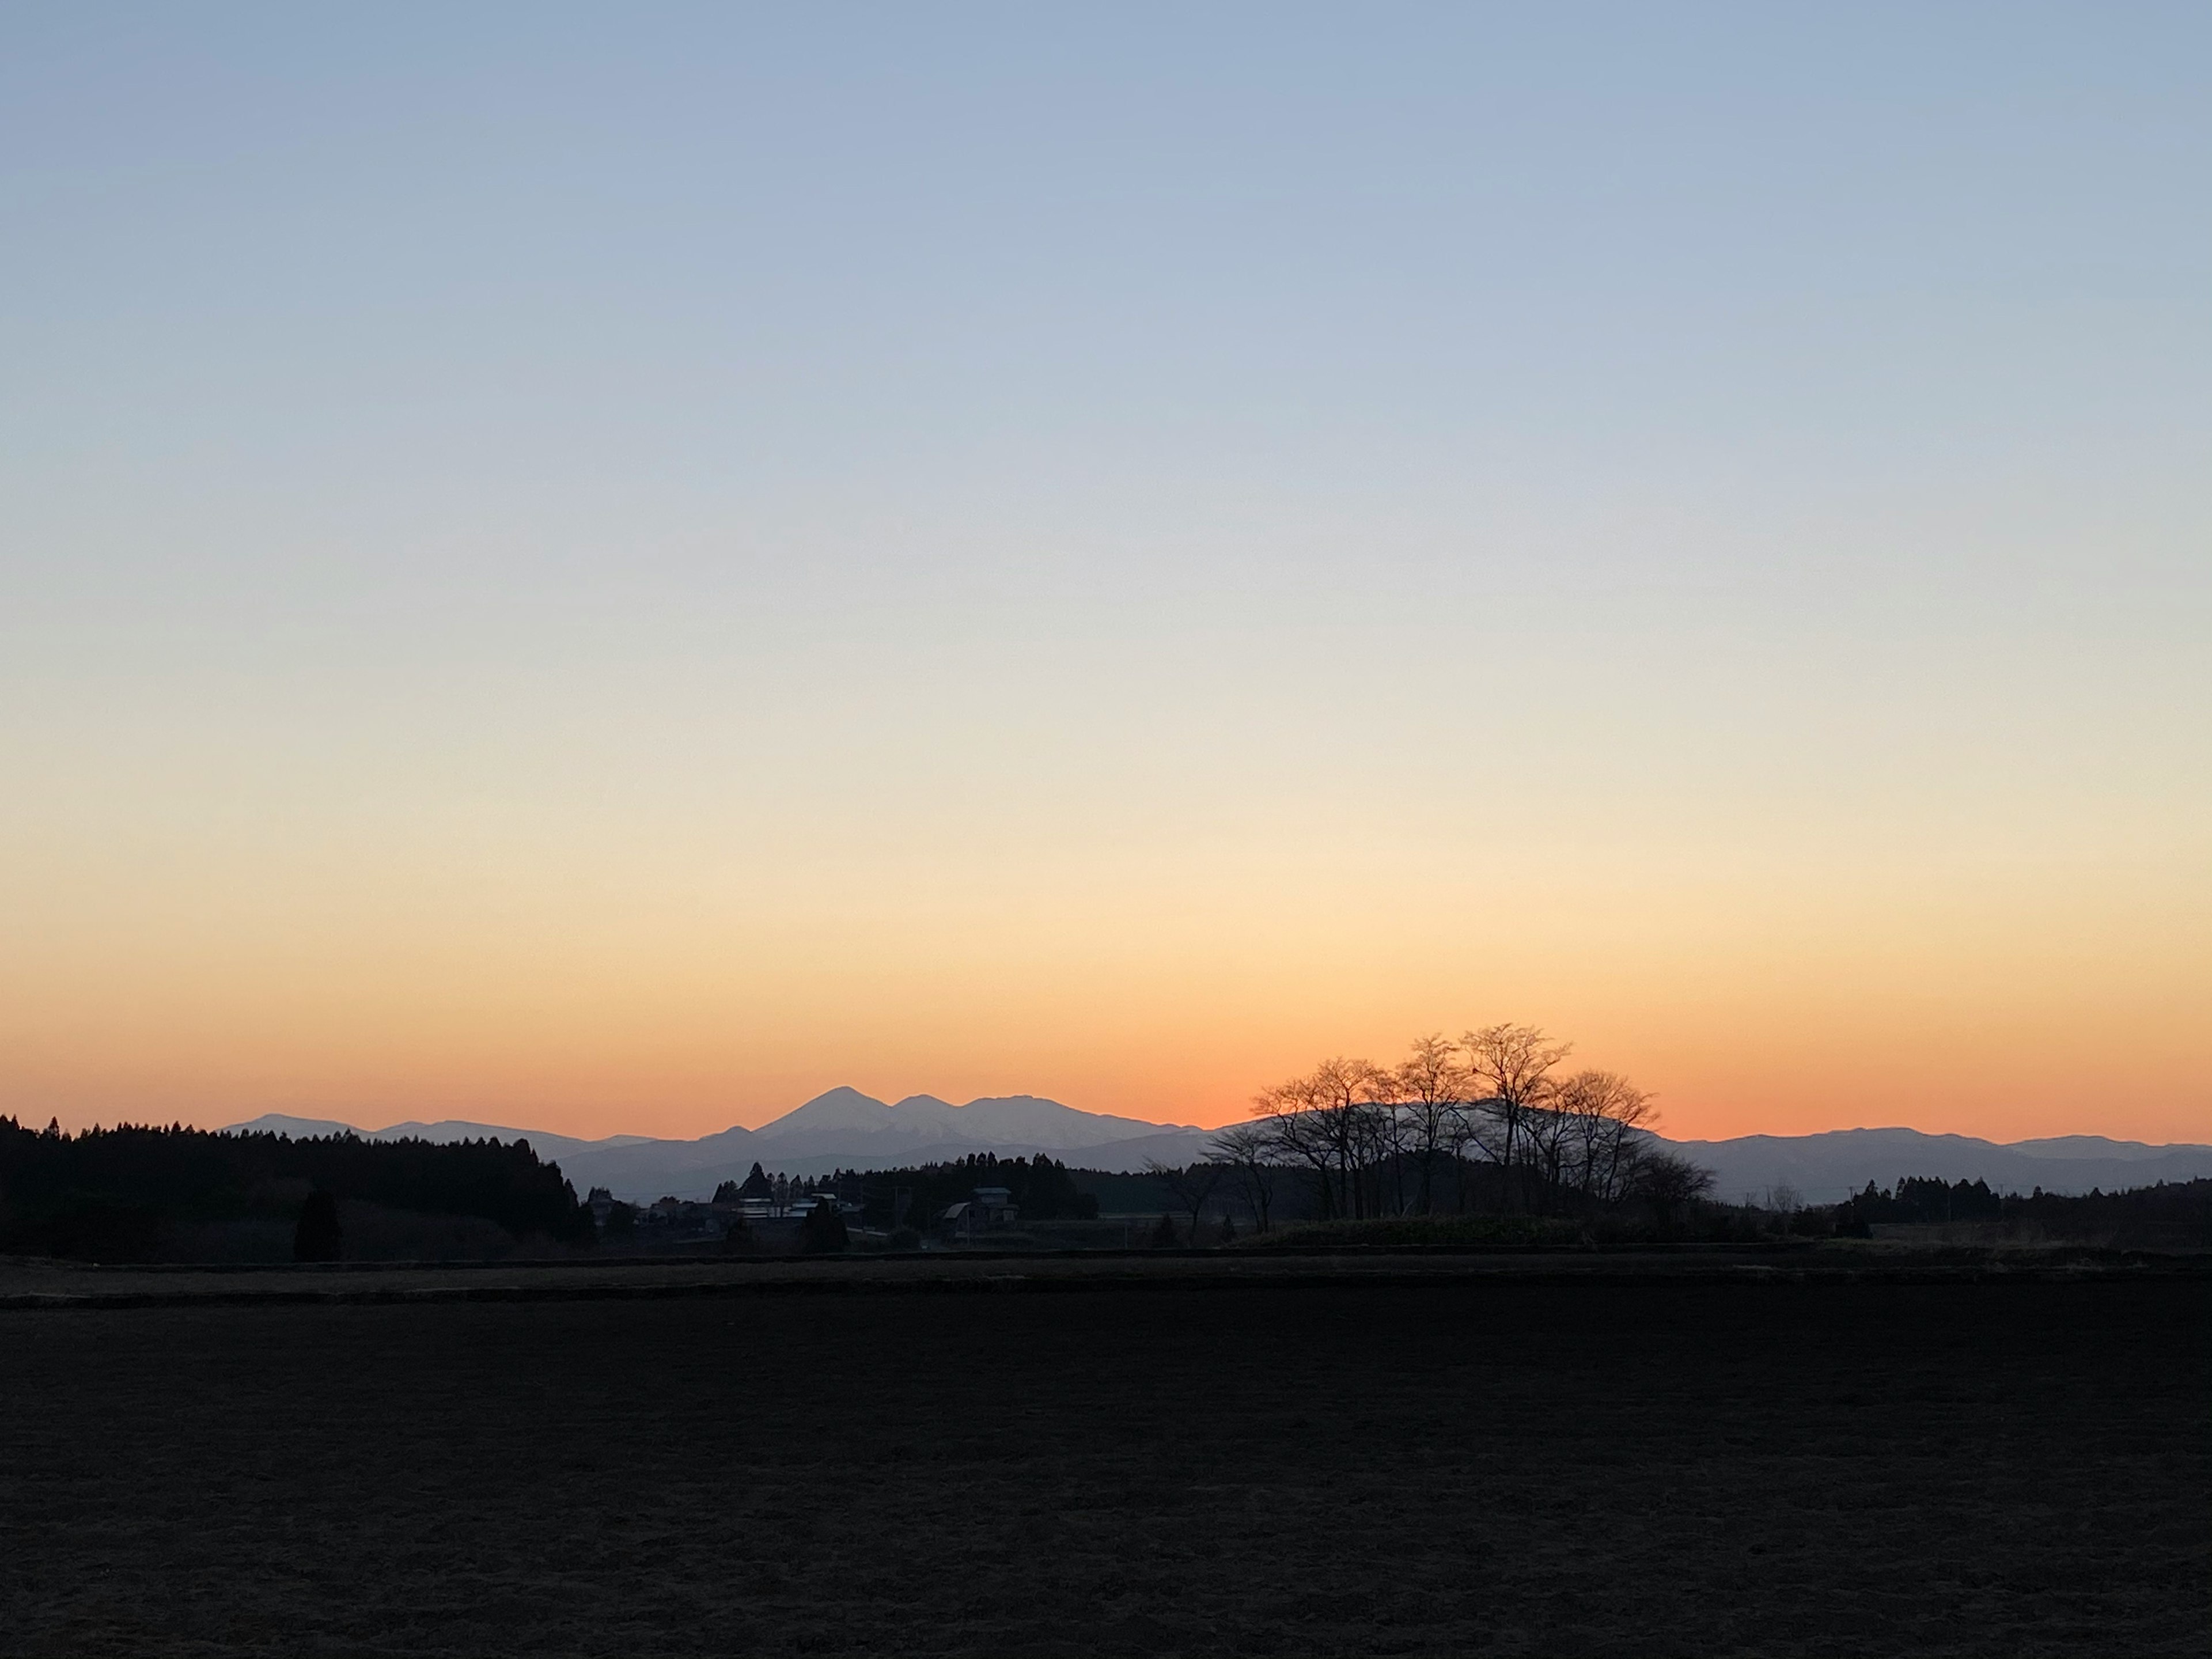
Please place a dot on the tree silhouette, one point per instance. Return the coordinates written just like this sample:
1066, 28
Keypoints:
1431, 1086
756, 1185
1249, 1149
1509, 1073
824, 1232
1668, 1184
1191, 1187
1326, 1121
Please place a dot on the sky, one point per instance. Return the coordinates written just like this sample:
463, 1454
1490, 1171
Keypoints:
613, 568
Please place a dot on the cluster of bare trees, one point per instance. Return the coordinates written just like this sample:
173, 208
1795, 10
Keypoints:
1493, 1108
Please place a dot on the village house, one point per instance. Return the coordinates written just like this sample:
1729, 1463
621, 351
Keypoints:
992, 1207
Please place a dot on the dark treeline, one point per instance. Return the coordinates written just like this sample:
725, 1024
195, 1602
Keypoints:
2171, 1213
1922, 1198
119, 1194
1041, 1189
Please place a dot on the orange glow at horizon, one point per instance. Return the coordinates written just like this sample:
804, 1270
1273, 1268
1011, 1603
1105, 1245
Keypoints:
1957, 1004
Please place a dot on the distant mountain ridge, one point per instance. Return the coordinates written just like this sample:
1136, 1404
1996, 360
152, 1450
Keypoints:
852, 1119
844, 1128
840, 1128
1823, 1168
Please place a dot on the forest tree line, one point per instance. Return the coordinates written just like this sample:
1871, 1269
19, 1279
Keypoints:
1041, 1188
2170, 1212
114, 1194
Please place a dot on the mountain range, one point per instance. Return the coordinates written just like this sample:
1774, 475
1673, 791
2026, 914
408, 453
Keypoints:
1824, 1168
846, 1129
842, 1129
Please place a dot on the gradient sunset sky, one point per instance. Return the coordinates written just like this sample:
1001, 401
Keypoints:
611, 568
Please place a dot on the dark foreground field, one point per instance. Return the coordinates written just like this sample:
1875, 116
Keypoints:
1554, 1469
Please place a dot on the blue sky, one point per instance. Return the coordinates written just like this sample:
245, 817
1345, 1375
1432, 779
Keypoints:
1009, 475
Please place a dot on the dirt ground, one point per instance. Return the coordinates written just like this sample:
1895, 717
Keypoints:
1468, 1466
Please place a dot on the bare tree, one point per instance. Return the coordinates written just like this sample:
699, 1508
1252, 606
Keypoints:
1248, 1149
1191, 1186
1295, 1135
1362, 1132
1431, 1088
1349, 1097
1510, 1066
1604, 1117
1380, 1161
1668, 1183
1547, 1143
1326, 1121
